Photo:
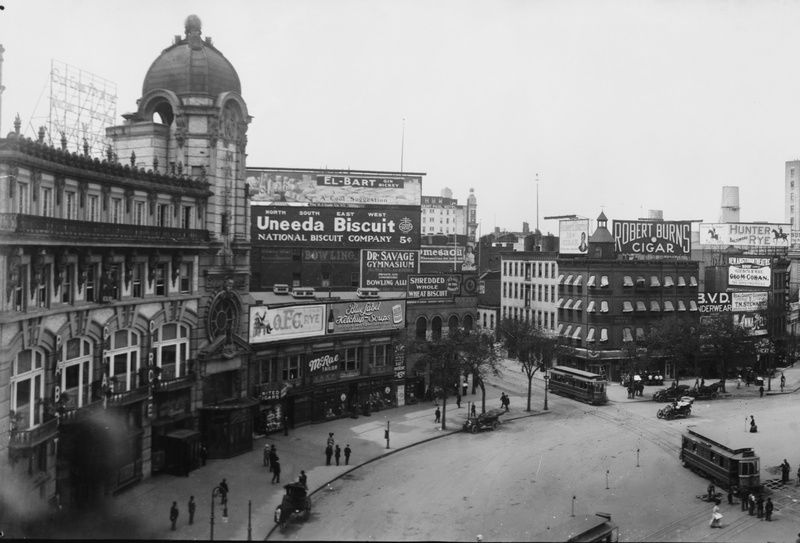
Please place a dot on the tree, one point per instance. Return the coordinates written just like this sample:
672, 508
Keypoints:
676, 339
725, 340
533, 347
480, 359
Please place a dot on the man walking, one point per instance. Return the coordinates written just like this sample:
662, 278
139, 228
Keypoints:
347, 452
276, 472
191, 507
173, 514
437, 415
303, 479
785, 470
328, 454
223, 491
768, 509
337, 454
273, 456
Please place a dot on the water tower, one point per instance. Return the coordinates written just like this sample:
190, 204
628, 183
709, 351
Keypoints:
730, 204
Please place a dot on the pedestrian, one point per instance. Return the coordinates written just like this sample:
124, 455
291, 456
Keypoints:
330, 439
273, 456
716, 517
458, 400
697, 383
731, 493
437, 415
760, 506
223, 491
337, 454
739, 381
191, 507
286, 425
761, 391
743, 498
328, 454
712, 493
753, 427
266, 455
751, 504
464, 388
203, 454
768, 508
173, 514
508, 402
702, 382
783, 381
347, 452
303, 479
785, 471
472, 410
276, 472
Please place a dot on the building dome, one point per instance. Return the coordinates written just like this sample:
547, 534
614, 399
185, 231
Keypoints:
192, 66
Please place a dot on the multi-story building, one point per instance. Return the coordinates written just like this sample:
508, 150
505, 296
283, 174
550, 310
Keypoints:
529, 287
124, 288
443, 215
791, 194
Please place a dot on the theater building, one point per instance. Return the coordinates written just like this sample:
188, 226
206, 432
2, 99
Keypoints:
125, 288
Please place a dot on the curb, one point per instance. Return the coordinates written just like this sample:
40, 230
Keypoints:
447, 433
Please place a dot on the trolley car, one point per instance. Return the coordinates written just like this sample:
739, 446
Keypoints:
724, 465
578, 384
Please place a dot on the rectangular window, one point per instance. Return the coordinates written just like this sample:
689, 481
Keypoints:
269, 370
137, 273
186, 217
291, 367
379, 355
19, 297
160, 279
67, 281
138, 213
185, 279
23, 199
43, 288
352, 359
47, 202
116, 210
110, 283
90, 286
94, 208
163, 215
70, 209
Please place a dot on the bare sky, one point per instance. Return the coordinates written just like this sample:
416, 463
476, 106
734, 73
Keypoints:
624, 106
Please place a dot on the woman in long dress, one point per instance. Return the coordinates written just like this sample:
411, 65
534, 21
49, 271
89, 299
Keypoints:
716, 516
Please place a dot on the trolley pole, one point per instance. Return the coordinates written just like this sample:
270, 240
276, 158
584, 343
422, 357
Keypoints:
249, 520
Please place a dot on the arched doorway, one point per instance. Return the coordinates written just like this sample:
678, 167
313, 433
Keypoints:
421, 328
452, 325
436, 328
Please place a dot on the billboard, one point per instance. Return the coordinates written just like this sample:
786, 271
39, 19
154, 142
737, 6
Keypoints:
275, 324
573, 236
328, 227
363, 316
333, 188
434, 285
749, 275
745, 234
387, 270
671, 238
755, 324
749, 302
714, 302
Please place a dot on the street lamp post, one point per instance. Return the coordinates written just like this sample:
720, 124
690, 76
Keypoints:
546, 378
218, 491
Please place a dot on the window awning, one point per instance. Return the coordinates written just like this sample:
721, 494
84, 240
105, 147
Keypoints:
568, 280
603, 306
627, 281
654, 282
578, 305
561, 279
681, 281
668, 282
692, 281
578, 281
568, 304
603, 335
577, 333
640, 306
590, 307
603, 281
559, 303
692, 305
560, 329
590, 335
668, 306
627, 307
568, 331
654, 306
640, 282
627, 337
640, 334
681, 305
590, 281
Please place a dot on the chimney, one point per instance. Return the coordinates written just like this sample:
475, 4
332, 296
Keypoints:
526, 229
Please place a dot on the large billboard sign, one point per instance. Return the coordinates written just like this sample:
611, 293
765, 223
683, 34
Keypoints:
714, 302
333, 188
749, 275
749, 302
667, 238
434, 285
387, 270
573, 237
290, 322
363, 316
745, 234
328, 227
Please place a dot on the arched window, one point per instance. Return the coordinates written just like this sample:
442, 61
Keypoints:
467, 323
75, 366
27, 381
171, 349
436, 328
452, 325
421, 328
122, 360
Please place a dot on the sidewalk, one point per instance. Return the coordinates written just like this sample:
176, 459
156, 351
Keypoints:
147, 504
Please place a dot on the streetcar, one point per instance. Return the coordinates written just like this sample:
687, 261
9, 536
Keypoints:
725, 465
578, 384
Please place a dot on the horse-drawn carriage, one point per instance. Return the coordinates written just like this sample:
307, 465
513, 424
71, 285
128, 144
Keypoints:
295, 504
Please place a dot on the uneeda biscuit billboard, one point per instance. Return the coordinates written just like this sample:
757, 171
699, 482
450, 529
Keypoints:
666, 238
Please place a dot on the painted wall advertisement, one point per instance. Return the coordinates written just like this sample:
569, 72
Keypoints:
755, 324
441, 254
329, 227
429, 285
749, 275
745, 234
672, 238
279, 323
749, 302
387, 270
573, 237
333, 187
728, 302
366, 316
324, 367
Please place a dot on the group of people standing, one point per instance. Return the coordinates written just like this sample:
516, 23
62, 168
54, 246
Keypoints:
272, 461
333, 450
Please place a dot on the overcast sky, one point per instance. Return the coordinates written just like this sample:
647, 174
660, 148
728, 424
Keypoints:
623, 106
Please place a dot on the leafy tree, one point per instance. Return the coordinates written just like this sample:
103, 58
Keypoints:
533, 347
725, 340
677, 339
480, 359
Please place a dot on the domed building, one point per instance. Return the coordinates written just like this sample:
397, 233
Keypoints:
125, 288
